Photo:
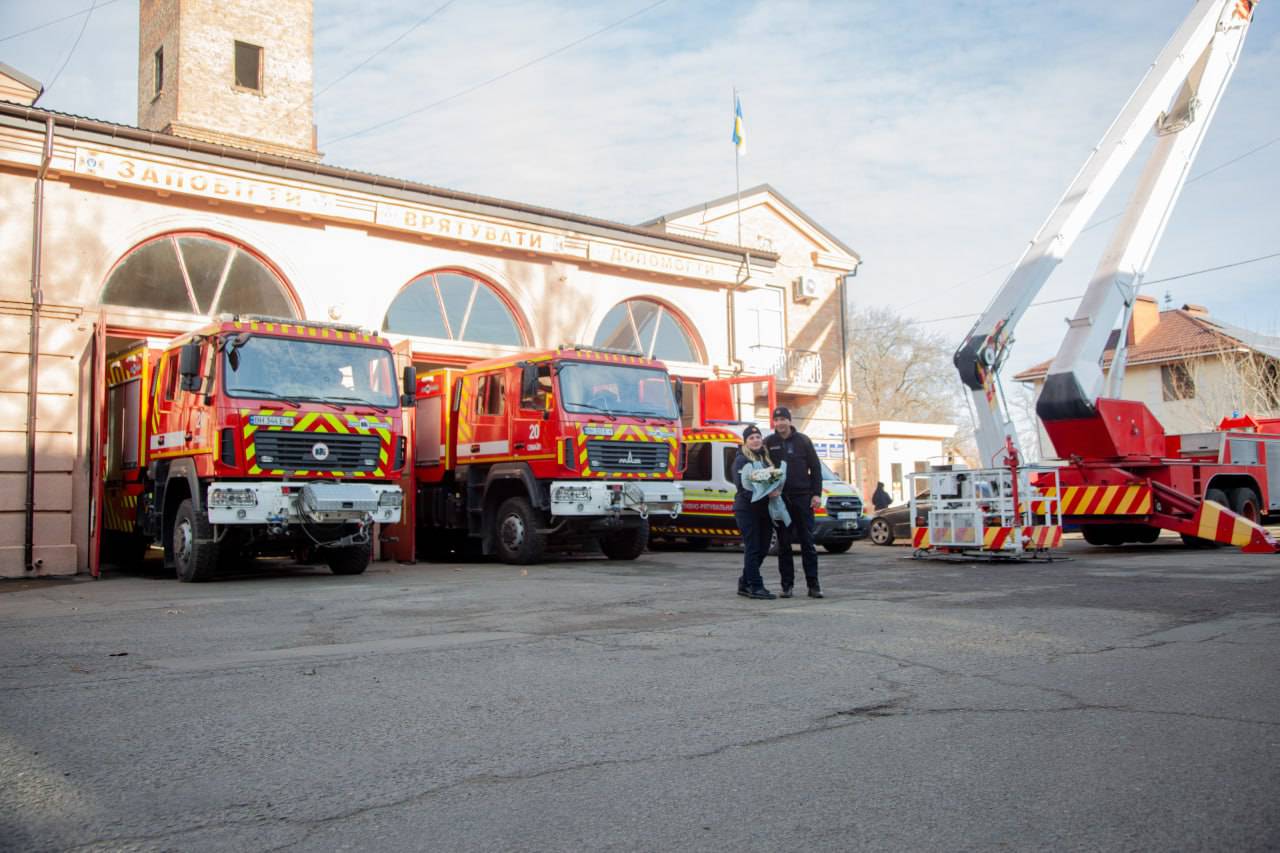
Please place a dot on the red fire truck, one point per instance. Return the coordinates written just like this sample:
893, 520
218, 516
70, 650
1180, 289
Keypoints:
251, 436
557, 447
1123, 479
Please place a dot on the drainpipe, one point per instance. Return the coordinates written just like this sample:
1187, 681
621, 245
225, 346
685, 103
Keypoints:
844, 375
33, 369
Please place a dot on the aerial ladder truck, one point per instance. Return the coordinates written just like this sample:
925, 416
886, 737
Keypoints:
1123, 479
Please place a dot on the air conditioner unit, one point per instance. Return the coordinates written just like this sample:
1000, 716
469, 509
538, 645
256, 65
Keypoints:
806, 288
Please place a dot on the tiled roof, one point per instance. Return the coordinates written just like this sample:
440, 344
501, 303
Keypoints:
1180, 334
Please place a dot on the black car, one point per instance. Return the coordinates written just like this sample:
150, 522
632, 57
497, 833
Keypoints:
894, 522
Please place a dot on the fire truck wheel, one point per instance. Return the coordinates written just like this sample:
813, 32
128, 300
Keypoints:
1101, 534
518, 535
351, 560
697, 543
625, 544
1147, 535
1245, 502
195, 554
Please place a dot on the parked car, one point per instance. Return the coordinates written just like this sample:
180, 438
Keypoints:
893, 523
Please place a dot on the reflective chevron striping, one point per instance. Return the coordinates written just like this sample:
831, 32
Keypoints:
1098, 500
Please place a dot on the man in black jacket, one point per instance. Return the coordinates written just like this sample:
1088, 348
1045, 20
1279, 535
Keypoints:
802, 491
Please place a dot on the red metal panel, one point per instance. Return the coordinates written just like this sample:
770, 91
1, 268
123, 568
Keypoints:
1121, 428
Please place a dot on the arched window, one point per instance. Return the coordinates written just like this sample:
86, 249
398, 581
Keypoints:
647, 328
197, 274
454, 307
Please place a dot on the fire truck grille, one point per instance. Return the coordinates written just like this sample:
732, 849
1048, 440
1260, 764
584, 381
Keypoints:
844, 503
316, 451
648, 457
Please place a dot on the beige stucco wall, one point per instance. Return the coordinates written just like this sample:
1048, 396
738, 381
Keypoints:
877, 446
768, 223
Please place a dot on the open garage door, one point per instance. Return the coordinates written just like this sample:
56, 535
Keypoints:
397, 541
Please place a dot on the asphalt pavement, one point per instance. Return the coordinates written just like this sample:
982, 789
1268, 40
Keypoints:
1124, 699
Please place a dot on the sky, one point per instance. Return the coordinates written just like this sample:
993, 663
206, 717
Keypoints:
932, 137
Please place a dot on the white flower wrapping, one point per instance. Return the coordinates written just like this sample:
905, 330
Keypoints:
760, 480
766, 475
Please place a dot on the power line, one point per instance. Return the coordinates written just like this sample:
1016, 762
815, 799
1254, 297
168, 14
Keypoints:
1071, 298
58, 20
378, 52
1206, 173
84, 26
495, 79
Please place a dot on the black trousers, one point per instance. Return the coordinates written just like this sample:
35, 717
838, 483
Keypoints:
801, 530
757, 531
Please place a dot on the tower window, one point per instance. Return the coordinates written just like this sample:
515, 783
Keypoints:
248, 66
159, 70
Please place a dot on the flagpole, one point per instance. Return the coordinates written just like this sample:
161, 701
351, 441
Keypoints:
737, 180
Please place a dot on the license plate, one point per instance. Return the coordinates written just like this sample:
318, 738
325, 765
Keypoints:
846, 515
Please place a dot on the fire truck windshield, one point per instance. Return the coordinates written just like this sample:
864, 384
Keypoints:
292, 369
616, 389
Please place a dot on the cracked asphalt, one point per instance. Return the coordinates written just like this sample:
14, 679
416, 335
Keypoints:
1125, 699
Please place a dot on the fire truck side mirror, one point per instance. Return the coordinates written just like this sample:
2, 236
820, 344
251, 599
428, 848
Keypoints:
189, 366
677, 387
410, 386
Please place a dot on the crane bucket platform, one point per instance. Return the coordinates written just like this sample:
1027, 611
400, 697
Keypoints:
1010, 513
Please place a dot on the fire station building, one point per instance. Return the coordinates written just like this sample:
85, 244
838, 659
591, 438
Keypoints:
114, 234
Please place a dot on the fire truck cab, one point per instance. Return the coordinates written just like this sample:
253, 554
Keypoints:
560, 447
253, 436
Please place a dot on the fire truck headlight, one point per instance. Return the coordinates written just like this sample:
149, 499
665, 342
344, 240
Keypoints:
571, 494
233, 497
393, 499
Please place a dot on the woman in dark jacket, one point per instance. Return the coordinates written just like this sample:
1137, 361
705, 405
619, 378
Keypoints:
753, 517
880, 498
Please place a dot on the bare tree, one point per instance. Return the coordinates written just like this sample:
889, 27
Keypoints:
899, 372
1022, 408
1232, 380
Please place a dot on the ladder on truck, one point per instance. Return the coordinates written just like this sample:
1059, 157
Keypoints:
1112, 444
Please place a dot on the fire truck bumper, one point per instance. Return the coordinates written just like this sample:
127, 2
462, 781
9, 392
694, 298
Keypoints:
576, 498
257, 502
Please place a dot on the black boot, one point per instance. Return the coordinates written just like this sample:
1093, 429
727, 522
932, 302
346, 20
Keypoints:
762, 593
815, 592
786, 592
743, 590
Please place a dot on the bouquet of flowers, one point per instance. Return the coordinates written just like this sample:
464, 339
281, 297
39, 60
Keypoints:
762, 479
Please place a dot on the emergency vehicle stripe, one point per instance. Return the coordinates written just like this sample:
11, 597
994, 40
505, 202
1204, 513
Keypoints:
1131, 494
1106, 500
920, 537
993, 538
1218, 524
335, 422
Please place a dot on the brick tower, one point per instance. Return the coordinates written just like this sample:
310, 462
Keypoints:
232, 72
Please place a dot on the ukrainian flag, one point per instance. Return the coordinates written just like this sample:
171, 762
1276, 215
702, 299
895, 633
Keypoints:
739, 130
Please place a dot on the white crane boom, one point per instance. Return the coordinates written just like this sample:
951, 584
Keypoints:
1176, 100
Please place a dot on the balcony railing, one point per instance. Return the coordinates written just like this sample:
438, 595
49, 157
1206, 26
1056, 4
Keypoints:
788, 366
